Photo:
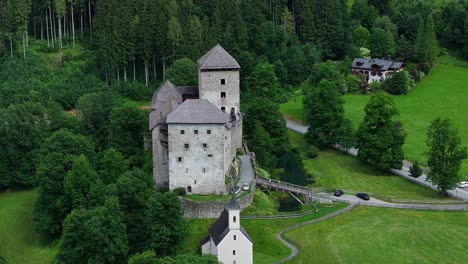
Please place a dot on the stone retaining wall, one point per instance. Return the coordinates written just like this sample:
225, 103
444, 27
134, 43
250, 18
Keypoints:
197, 209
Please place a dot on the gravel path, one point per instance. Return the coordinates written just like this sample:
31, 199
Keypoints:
292, 244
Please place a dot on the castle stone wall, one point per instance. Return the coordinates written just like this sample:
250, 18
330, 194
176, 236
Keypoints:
160, 159
210, 88
196, 209
201, 169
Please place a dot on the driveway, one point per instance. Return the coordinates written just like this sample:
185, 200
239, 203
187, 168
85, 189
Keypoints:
246, 170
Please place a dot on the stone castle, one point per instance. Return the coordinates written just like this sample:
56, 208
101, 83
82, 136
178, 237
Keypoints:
197, 130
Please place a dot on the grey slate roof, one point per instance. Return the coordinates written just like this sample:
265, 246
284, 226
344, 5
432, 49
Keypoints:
164, 93
220, 229
383, 65
217, 59
196, 111
233, 205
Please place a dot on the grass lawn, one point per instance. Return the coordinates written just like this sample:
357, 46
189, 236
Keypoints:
18, 240
442, 94
382, 235
267, 248
335, 170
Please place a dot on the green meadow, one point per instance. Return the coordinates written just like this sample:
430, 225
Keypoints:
444, 93
335, 170
18, 240
382, 235
267, 248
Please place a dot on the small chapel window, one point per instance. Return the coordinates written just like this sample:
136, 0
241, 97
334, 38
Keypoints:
223, 94
234, 219
235, 237
223, 81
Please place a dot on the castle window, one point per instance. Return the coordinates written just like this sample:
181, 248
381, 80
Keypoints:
223, 81
223, 94
223, 109
179, 159
195, 132
186, 170
204, 170
186, 146
182, 132
205, 145
234, 219
235, 237
234, 252
195, 181
189, 189
208, 132
210, 156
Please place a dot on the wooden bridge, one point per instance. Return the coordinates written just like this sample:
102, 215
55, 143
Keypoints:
290, 188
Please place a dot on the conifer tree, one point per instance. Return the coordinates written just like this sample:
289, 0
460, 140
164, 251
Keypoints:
445, 154
379, 138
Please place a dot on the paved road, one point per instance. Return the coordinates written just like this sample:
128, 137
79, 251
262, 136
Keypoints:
404, 172
352, 199
246, 170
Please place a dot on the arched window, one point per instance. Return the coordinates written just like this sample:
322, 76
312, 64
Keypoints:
189, 189
234, 219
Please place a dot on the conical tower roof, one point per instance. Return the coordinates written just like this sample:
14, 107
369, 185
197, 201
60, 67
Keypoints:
217, 59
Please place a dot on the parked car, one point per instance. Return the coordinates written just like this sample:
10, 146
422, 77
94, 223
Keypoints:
237, 190
463, 184
363, 196
245, 186
338, 193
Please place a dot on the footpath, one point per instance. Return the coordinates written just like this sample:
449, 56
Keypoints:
458, 193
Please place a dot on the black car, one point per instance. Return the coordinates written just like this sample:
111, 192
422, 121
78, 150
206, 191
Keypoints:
363, 196
338, 193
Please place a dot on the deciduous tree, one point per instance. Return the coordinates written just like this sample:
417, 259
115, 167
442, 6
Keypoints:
324, 111
445, 154
94, 236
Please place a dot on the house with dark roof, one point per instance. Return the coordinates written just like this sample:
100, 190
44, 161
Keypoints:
375, 69
197, 130
227, 239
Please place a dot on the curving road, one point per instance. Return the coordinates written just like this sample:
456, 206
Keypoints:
459, 193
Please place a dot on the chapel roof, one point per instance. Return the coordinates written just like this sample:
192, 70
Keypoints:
217, 59
196, 111
220, 228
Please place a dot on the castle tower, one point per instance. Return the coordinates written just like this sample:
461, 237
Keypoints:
218, 81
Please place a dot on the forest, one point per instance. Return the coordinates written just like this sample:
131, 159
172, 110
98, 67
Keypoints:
75, 76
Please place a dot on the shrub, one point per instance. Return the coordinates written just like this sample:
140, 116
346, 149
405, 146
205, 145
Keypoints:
132, 90
415, 170
180, 191
397, 84
375, 87
354, 83
312, 152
